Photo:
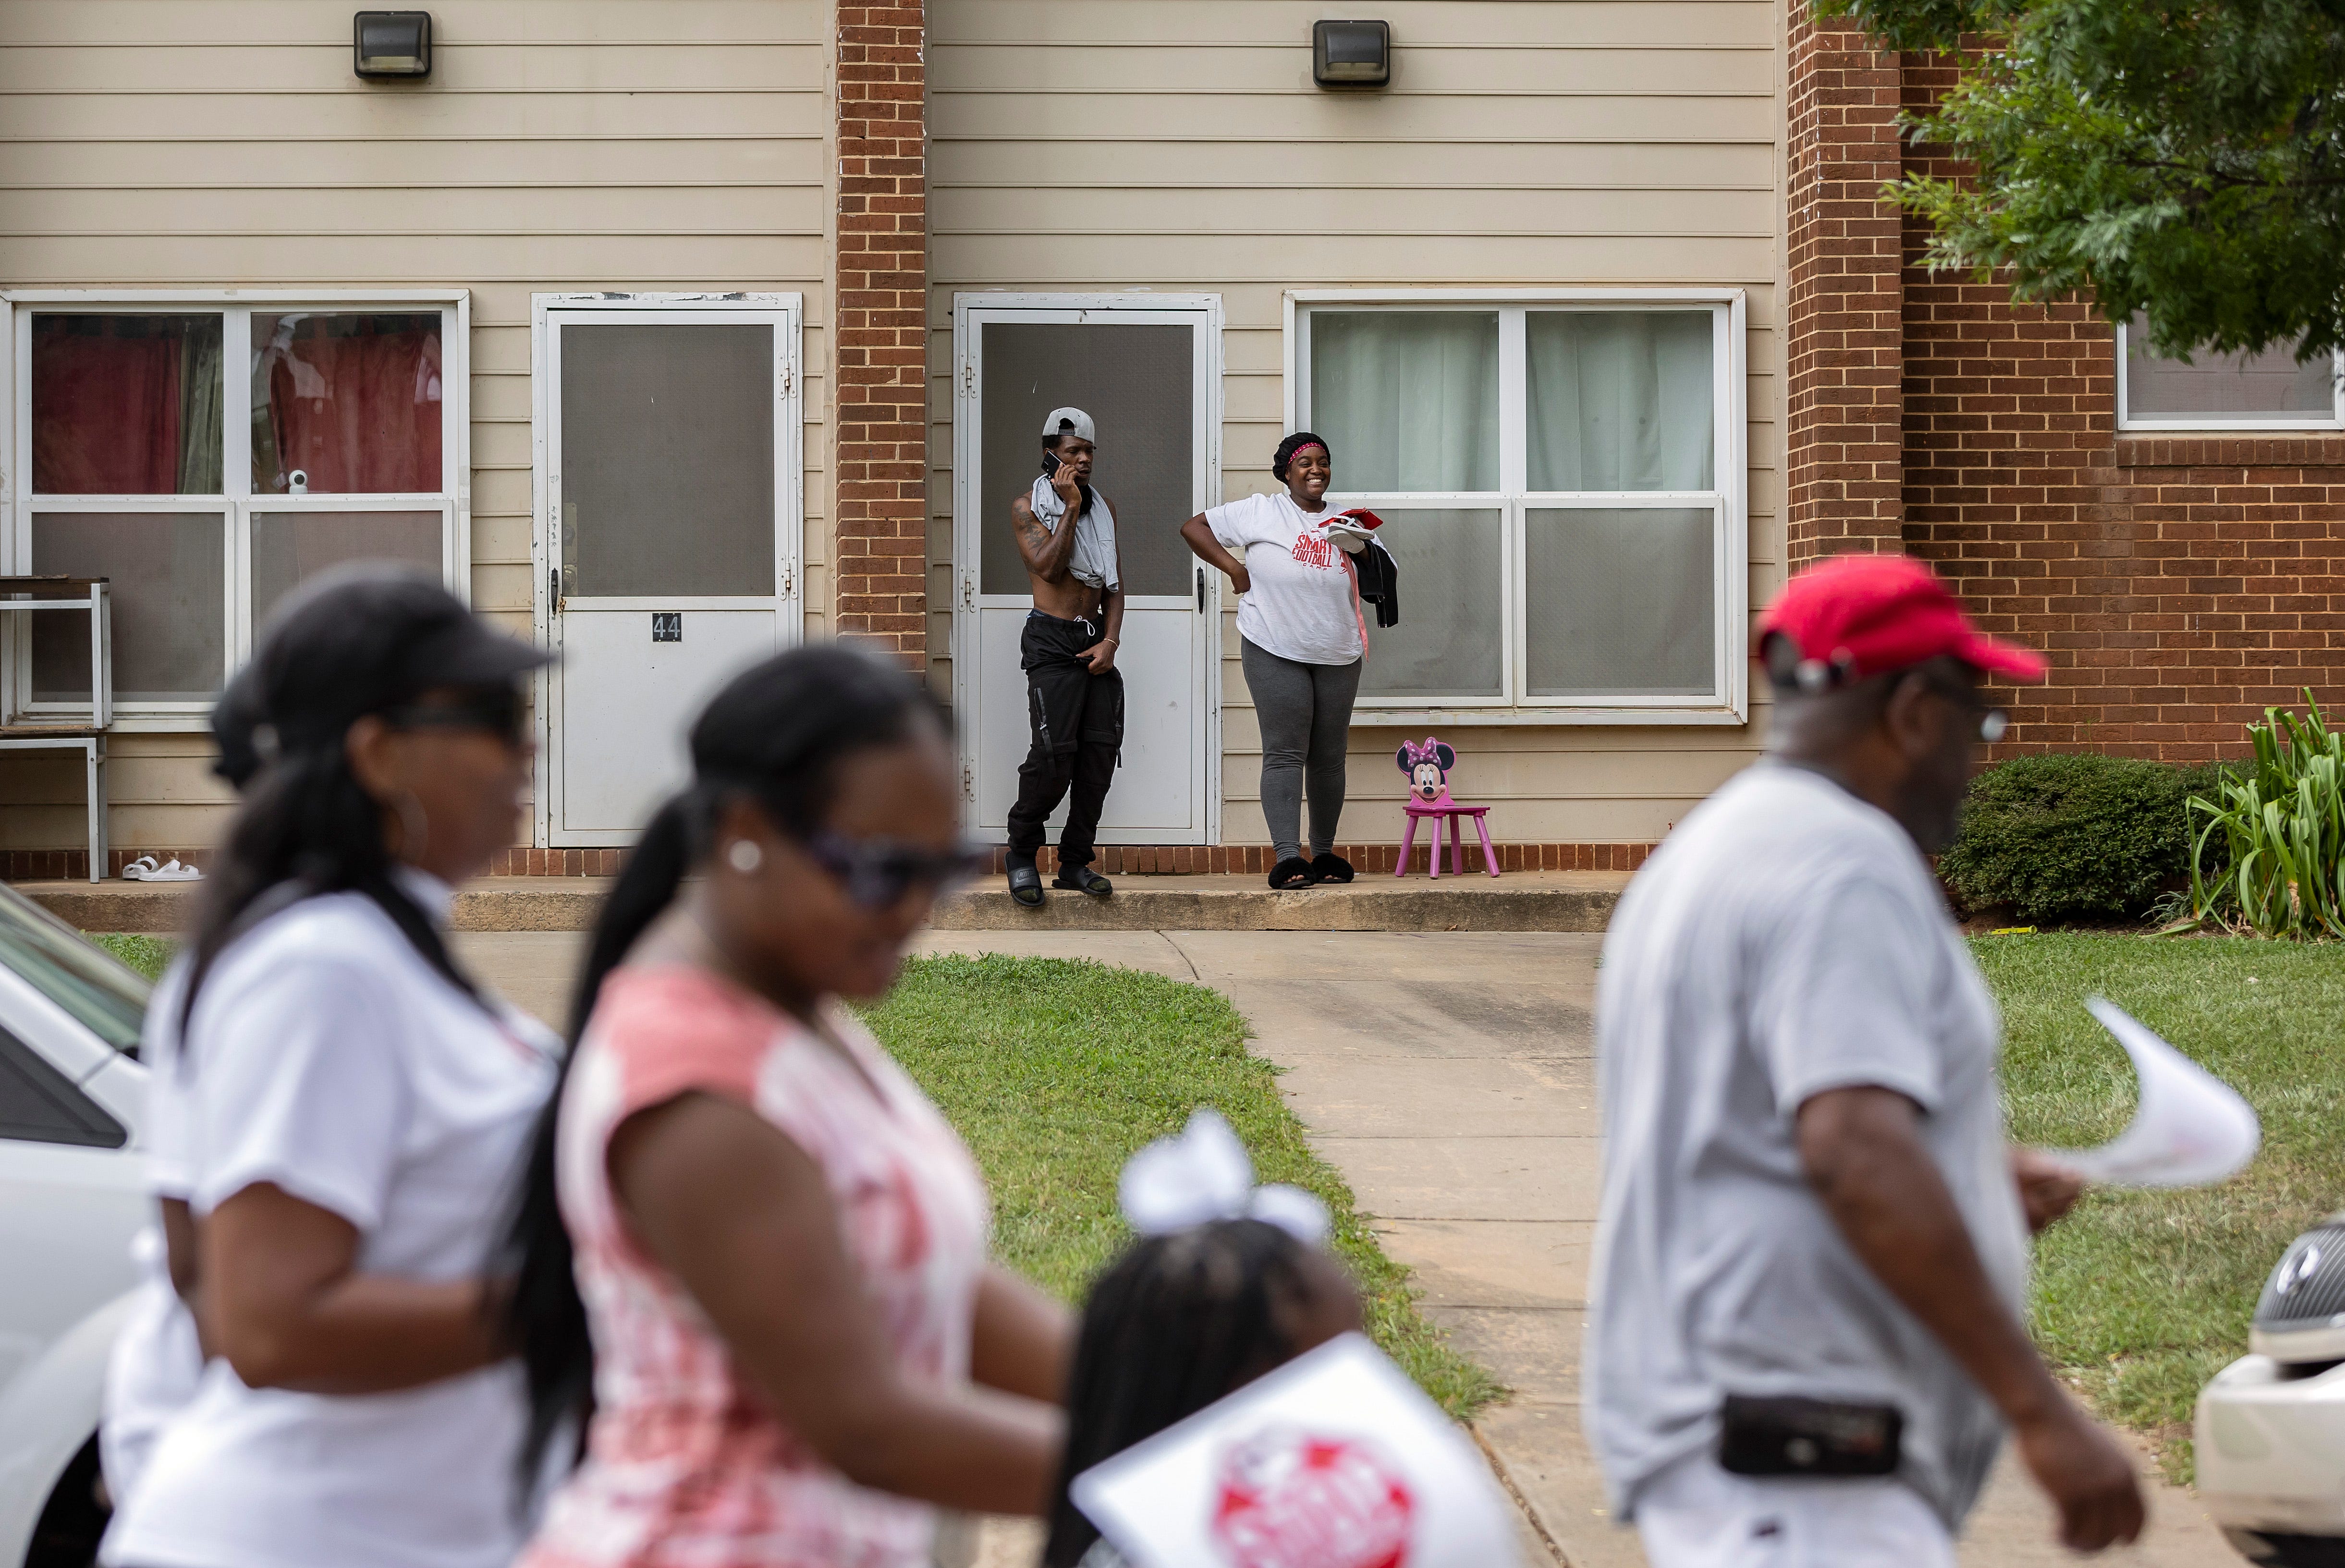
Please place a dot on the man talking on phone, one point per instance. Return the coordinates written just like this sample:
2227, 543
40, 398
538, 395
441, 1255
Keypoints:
1074, 693
1806, 1337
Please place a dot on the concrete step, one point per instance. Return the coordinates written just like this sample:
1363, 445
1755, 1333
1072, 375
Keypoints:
1518, 901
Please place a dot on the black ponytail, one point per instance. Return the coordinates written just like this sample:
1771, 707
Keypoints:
777, 733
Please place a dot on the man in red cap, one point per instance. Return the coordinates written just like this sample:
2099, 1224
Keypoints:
1806, 1333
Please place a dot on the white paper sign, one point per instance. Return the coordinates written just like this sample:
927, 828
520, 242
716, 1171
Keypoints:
1335, 1460
2190, 1128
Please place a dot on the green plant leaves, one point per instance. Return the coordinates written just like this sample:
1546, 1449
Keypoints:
2281, 830
2180, 159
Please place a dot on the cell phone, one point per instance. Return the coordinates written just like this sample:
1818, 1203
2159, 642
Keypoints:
1050, 465
1786, 1435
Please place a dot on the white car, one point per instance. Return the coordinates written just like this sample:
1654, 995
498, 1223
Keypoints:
71, 1202
2270, 1427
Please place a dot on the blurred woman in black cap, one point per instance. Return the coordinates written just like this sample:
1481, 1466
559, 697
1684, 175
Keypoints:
350, 1109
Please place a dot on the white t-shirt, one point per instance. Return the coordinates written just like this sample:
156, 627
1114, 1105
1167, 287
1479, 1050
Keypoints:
1787, 939
156, 1361
325, 1055
1301, 606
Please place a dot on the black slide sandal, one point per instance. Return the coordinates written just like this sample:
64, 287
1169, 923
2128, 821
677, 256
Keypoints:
1330, 867
1082, 879
1025, 885
1291, 873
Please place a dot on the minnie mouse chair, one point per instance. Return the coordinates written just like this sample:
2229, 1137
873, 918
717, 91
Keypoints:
1427, 765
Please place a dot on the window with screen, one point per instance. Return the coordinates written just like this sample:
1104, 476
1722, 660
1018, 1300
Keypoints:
2273, 391
1562, 492
206, 459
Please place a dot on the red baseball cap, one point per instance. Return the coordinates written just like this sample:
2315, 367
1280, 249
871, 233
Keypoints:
1859, 615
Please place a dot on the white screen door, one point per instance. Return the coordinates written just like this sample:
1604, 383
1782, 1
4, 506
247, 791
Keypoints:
668, 535
1146, 368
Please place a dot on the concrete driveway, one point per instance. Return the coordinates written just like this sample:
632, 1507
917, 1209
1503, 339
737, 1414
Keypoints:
1449, 1076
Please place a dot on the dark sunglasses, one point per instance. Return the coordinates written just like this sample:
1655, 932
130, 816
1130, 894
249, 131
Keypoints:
1994, 724
878, 872
497, 712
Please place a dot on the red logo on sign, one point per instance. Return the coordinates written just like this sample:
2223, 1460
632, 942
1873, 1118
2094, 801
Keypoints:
1288, 1499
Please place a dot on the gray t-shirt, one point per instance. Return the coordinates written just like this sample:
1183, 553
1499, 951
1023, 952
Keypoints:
1786, 939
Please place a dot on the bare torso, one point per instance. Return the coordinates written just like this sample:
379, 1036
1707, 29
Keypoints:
1061, 595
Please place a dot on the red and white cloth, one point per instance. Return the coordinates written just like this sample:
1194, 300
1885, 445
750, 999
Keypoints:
686, 1466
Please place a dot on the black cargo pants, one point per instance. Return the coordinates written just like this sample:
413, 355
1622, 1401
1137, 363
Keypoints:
1077, 719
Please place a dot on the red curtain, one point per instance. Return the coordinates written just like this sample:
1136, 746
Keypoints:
106, 408
358, 411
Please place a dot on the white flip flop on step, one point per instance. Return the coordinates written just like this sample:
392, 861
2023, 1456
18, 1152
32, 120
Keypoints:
144, 869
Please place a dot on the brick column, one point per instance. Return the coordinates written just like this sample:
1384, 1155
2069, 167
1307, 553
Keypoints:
881, 269
1843, 333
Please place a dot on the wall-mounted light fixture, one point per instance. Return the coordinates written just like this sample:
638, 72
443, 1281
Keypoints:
391, 46
1351, 53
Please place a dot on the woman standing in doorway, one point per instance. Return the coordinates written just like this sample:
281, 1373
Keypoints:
1300, 645
349, 1108
797, 1343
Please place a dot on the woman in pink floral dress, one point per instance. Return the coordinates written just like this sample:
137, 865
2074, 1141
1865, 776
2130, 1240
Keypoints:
797, 1341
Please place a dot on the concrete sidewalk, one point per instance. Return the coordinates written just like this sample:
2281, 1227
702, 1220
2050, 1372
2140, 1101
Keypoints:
1448, 1075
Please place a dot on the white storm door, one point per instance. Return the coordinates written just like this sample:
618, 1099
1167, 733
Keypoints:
1148, 376
671, 532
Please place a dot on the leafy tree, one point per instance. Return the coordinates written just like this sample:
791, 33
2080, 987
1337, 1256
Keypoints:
2181, 159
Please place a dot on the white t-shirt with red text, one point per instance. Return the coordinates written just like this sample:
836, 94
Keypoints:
1301, 606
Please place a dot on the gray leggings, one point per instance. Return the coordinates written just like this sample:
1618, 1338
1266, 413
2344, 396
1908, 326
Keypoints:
1304, 712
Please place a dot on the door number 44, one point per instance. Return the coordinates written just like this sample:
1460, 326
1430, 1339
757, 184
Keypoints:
667, 625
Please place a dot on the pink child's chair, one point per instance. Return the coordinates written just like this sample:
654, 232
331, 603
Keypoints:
1427, 766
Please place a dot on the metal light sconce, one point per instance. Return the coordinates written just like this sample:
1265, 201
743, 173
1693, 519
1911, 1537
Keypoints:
391, 46
1351, 53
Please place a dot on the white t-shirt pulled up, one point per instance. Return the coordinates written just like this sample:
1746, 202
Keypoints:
325, 1057
1787, 939
1301, 606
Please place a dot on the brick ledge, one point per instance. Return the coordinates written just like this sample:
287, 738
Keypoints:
1115, 860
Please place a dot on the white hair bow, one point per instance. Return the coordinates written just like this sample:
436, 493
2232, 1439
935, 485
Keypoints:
1204, 1175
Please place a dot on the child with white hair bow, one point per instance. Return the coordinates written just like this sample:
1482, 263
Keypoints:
1226, 1281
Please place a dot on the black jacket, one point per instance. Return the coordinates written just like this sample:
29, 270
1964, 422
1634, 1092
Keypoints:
1379, 582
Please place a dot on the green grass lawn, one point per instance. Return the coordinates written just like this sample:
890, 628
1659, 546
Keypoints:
2141, 1297
1055, 1070
147, 955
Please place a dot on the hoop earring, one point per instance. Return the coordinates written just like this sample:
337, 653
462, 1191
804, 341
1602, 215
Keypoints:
414, 825
744, 855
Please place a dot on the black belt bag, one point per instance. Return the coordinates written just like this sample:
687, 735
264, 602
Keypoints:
1787, 1435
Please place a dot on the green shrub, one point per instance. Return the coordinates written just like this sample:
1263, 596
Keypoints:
2270, 855
2074, 837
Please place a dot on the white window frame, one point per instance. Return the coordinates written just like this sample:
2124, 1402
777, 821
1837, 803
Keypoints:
237, 504
2127, 421
1728, 703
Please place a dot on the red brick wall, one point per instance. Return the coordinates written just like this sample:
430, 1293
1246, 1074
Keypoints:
1841, 337
2180, 586
881, 390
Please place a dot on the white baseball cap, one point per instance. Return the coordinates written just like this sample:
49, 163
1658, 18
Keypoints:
1070, 422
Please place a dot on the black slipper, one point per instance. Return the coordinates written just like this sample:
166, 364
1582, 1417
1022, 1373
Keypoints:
1026, 886
1082, 879
1291, 873
1330, 867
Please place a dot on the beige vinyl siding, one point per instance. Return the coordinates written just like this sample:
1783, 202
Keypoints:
621, 145
1098, 145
